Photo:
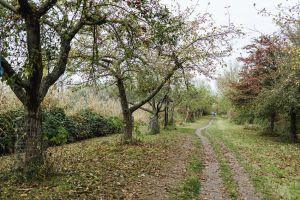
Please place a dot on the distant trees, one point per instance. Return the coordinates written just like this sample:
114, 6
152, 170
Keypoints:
268, 83
257, 76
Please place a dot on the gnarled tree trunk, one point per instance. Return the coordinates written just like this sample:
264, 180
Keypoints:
30, 145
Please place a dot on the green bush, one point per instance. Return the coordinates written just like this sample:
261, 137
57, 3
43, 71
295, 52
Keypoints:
90, 124
61, 136
116, 124
58, 128
54, 121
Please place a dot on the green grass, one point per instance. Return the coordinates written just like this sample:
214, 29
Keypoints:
272, 163
189, 189
226, 173
102, 168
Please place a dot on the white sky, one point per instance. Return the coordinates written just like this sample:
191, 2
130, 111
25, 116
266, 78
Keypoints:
242, 12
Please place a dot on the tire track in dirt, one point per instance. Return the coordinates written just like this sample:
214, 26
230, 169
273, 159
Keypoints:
245, 188
211, 183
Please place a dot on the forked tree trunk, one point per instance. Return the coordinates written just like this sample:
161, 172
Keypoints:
30, 146
293, 126
189, 116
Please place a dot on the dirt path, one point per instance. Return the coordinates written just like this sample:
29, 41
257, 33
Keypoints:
211, 186
245, 188
161, 185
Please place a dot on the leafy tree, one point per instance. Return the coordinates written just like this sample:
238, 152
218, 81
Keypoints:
286, 90
36, 39
256, 76
159, 42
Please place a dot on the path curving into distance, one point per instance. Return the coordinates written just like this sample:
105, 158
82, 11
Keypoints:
211, 183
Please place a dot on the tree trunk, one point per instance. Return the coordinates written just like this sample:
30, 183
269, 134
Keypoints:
186, 114
172, 121
30, 147
129, 123
189, 116
166, 115
272, 122
127, 114
154, 124
293, 126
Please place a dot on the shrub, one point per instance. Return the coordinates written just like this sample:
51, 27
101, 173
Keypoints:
54, 121
116, 125
58, 128
90, 124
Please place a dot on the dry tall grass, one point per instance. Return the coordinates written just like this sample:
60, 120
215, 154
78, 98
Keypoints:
8, 99
72, 102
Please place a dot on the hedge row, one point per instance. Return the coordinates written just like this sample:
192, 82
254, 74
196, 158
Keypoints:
58, 128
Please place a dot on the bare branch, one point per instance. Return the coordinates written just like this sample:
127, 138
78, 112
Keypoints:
154, 92
56, 27
10, 73
14, 81
60, 68
45, 7
142, 108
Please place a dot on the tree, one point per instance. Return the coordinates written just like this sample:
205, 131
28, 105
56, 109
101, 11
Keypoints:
286, 89
158, 41
196, 101
36, 41
257, 76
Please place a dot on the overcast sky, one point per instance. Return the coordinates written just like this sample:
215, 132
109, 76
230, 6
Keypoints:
242, 12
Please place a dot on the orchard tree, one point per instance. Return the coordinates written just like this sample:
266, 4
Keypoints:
286, 90
36, 40
258, 74
289, 83
196, 101
159, 103
159, 41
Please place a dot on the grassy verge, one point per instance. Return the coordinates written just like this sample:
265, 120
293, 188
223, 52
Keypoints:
100, 168
189, 188
272, 163
226, 173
